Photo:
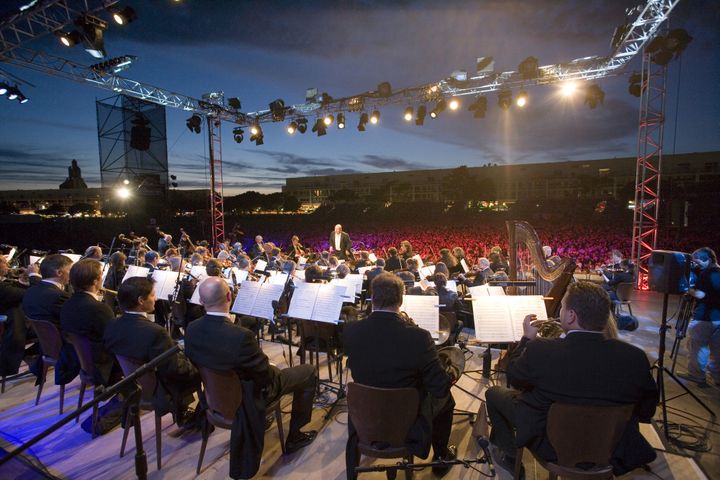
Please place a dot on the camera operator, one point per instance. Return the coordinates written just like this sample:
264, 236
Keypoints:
704, 329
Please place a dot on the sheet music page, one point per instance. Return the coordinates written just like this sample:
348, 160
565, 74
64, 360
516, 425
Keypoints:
486, 291
522, 305
451, 285
301, 260
135, 271
164, 283
299, 274
493, 322
34, 259
10, 254
303, 300
363, 270
372, 257
464, 265
240, 275
195, 298
417, 258
423, 309
426, 271
261, 265
263, 303
277, 278
357, 280
199, 272
349, 292
328, 303
73, 256
495, 290
247, 293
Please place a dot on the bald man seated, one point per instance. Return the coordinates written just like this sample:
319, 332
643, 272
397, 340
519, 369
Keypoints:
214, 341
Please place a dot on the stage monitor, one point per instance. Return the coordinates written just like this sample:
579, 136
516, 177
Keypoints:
669, 272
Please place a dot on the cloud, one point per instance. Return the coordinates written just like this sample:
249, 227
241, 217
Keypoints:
390, 163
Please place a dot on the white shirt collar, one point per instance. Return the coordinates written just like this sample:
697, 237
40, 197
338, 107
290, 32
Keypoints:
583, 331
57, 284
218, 313
142, 314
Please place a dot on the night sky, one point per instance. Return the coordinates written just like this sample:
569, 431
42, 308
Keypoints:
263, 50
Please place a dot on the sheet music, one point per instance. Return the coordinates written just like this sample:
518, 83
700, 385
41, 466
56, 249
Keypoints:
464, 265
10, 254
135, 271
523, 305
299, 274
423, 309
363, 270
240, 275
426, 271
73, 256
493, 322
301, 260
303, 300
263, 302
34, 259
372, 257
164, 283
199, 272
277, 278
451, 285
349, 288
486, 291
357, 280
328, 303
247, 293
261, 265
419, 261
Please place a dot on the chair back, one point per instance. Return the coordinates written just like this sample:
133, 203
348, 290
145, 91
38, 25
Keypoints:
582, 434
382, 417
625, 291
83, 348
223, 392
148, 381
49, 337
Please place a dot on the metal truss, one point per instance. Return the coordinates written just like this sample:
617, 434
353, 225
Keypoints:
217, 211
43, 18
649, 166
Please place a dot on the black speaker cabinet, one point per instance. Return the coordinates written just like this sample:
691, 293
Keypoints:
669, 272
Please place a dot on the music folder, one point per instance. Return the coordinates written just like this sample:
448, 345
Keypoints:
261, 265
486, 291
164, 283
426, 271
419, 261
199, 272
255, 299
321, 302
135, 271
499, 319
464, 265
423, 309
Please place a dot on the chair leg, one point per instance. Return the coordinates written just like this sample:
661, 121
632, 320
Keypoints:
158, 439
629, 308
2, 388
203, 446
41, 383
281, 432
408, 471
80, 400
518, 463
126, 430
62, 398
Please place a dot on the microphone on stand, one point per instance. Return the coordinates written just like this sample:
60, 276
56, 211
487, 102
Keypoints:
484, 445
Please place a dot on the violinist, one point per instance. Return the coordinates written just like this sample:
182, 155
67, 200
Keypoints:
116, 271
296, 249
93, 252
619, 271
406, 250
185, 244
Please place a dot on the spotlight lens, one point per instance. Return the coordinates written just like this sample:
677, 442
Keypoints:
24, 100
408, 116
341, 125
119, 19
3, 90
65, 41
291, 129
123, 192
568, 89
327, 120
126, 182
521, 101
373, 120
12, 96
454, 104
254, 130
433, 115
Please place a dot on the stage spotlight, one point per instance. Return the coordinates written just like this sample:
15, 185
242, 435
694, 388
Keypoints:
568, 89
92, 34
341, 120
522, 99
439, 108
22, 98
234, 103
277, 109
384, 90
635, 87
123, 192
421, 112
238, 134
126, 182
505, 99
3, 88
328, 120
363, 121
454, 104
594, 96
292, 127
528, 68
320, 127
301, 124
408, 114
257, 134
479, 107
124, 16
69, 39
193, 123
375, 117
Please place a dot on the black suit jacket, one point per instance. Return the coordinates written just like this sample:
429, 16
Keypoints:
135, 336
393, 263
370, 275
586, 369
12, 343
256, 251
345, 251
86, 316
43, 301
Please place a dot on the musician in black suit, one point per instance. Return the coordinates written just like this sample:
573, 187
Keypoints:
43, 300
393, 261
340, 243
133, 335
482, 274
621, 271
214, 341
151, 260
584, 368
258, 248
447, 298
386, 351
374, 272
12, 343
84, 314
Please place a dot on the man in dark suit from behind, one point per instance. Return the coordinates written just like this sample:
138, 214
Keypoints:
133, 335
84, 314
385, 351
43, 300
213, 341
374, 272
585, 368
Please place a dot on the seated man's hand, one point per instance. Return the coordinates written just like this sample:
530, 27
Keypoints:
529, 331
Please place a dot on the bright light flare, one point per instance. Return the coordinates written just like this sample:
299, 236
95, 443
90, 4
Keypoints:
521, 99
454, 104
568, 89
123, 192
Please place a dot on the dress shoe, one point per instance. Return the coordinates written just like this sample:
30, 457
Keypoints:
504, 461
442, 470
302, 439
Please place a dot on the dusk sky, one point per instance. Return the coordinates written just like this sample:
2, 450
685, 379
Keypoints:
263, 50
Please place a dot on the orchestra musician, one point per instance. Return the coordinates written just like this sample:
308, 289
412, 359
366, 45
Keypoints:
93, 252
619, 271
296, 249
393, 261
116, 271
185, 244
375, 360
340, 243
258, 248
43, 300
406, 250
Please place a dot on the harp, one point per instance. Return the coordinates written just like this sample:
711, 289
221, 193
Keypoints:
527, 261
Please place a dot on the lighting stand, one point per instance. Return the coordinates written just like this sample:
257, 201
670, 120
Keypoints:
684, 316
662, 370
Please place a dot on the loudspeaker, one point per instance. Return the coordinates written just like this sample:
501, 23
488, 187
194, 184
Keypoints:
669, 272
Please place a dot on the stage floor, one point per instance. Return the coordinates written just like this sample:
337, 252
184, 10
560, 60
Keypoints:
71, 453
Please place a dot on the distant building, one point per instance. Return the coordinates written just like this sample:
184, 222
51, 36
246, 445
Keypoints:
605, 178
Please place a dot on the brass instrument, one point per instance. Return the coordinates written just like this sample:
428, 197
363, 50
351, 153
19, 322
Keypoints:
553, 280
453, 361
549, 328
